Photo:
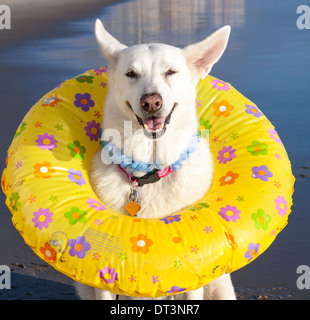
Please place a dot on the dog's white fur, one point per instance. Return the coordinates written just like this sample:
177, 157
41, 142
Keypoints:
182, 188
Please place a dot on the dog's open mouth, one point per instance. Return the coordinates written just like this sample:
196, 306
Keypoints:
153, 126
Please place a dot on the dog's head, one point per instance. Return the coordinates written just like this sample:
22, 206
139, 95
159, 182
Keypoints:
154, 84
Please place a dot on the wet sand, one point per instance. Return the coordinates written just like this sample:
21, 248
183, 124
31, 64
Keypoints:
267, 60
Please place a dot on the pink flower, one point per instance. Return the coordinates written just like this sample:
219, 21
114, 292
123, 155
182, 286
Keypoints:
95, 204
98, 222
226, 154
220, 85
208, 229
274, 135
281, 205
229, 213
108, 275
46, 141
42, 218
198, 103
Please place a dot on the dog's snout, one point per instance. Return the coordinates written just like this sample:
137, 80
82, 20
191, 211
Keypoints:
151, 102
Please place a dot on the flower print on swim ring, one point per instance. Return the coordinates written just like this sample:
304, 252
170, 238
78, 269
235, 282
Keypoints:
48, 191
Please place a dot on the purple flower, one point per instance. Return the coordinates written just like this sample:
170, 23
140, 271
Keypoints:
46, 142
42, 218
229, 213
176, 289
100, 71
108, 275
19, 164
281, 205
226, 154
220, 85
252, 251
95, 204
76, 176
154, 279
170, 219
93, 130
253, 110
79, 247
274, 135
262, 173
84, 101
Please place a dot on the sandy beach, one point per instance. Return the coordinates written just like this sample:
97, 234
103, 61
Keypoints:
267, 60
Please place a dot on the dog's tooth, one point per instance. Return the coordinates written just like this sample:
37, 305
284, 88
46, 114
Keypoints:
161, 126
146, 126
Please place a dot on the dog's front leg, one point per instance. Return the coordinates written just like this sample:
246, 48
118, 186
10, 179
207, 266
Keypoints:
89, 293
191, 295
104, 295
220, 289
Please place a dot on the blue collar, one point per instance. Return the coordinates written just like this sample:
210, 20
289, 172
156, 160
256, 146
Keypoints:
133, 166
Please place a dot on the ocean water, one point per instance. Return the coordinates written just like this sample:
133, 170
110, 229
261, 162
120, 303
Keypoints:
267, 59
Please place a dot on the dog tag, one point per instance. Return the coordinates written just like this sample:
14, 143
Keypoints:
132, 207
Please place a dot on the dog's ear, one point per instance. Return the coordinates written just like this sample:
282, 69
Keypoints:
203, 55
109, 46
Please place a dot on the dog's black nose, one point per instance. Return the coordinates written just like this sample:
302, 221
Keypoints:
151, 102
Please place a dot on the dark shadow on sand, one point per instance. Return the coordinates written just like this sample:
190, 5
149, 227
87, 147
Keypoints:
30, 288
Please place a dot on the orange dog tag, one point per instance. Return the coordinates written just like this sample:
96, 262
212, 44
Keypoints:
132, 207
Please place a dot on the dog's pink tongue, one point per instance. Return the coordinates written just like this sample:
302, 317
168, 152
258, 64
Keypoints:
154, 123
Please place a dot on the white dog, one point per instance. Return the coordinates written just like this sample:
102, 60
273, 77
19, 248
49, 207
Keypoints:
150, 113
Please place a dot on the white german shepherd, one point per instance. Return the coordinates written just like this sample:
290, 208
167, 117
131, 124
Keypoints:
151, 105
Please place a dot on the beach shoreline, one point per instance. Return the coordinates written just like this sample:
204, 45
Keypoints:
43, 49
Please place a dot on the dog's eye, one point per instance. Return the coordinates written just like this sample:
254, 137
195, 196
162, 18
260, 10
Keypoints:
170, 72
131, 74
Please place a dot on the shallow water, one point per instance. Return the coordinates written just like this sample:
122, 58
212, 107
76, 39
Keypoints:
267, 60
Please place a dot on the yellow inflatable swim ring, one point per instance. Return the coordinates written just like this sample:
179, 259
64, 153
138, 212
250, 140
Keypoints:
47, 189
